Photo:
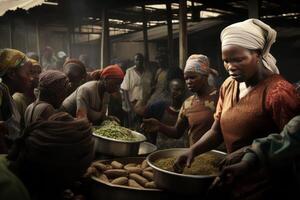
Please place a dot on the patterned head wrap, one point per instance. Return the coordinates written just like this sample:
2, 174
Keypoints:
34, 62
11, 59
252, 34
197, 63
112, 71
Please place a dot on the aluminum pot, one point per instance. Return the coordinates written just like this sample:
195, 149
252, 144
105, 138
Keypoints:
113, 147
179, 183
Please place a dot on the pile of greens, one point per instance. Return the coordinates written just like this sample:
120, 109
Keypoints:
112, 129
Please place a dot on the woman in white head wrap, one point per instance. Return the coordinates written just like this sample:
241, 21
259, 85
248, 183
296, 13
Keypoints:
267, 105
196, 113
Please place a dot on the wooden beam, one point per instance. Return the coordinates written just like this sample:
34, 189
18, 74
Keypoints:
145, 35
105, 54
170, 35
70, 38
182, 34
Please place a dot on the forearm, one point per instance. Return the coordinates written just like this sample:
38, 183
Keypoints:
170, 131
273, 149
96, 116
210, 140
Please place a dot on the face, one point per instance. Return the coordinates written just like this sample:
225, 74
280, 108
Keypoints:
240, 63
138, 60
35, 72
176, 89
74, 73
162, 61
112, 85
23, 78
61, 95
194, 81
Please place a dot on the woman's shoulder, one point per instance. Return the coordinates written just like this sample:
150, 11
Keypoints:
189, 99
277, 81
276, 85
228, 85
88, 86
279, 89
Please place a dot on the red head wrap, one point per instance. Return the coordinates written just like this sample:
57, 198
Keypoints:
112, 71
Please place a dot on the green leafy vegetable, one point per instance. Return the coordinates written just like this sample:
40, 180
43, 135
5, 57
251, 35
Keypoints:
112, 129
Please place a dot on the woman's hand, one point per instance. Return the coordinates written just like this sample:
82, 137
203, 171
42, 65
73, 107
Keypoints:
230, 174
184, 160
233, 158
150, 125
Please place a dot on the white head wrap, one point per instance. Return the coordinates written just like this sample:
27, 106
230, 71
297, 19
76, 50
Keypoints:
252, 34
197, 63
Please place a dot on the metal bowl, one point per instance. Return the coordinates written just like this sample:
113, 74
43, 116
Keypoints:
146, 148
179, 183
113, 147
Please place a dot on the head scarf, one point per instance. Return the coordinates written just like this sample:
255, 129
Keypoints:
197, 63
11, 59
52, 80
34, 62
112, 71
77, 63
252, 34
32, 55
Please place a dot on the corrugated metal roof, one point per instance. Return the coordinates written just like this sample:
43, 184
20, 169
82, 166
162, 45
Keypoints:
6, 5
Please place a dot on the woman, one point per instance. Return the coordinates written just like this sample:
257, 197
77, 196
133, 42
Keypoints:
76, 72
22, 100
16, 77
160, 85
52, 154
196, 114
254, 101
167, 113
52, 89
91, 99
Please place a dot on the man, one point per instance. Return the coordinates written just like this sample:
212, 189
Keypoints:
48, 59
136, 84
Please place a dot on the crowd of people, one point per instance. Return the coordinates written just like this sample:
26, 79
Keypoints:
48, 108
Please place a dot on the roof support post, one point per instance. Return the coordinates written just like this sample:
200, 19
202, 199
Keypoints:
182, 33
70, 37
253, 8
10, 28
105, 54
145, 35
37, 33
170, 34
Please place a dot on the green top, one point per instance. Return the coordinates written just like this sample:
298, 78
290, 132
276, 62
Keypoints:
10, 186
277, 148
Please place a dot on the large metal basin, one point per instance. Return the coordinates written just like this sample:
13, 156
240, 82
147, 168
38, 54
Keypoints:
179, 183
113, 147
